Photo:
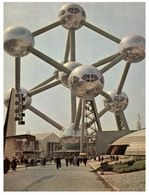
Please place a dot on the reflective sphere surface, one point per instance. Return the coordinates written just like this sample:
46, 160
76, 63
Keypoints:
84, 80
134, 45
17, 39
117, 103
73, 14
23, 91
70, 138
56, 71
63, 77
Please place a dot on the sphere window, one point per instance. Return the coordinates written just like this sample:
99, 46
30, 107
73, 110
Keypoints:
76, 11
70, 10
90, 77
62, 12
75, 79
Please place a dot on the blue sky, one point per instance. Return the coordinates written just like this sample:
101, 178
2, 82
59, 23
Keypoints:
119, 19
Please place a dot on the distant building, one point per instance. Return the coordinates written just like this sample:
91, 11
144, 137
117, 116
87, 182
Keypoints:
49, 143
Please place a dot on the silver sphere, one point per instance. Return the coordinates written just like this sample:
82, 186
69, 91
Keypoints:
84, 80
117, 103
134, 45
55, 70
63, 77
70, 138
17, 39
73, 14
23, 91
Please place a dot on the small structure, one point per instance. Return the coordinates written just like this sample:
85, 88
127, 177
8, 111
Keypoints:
132, 144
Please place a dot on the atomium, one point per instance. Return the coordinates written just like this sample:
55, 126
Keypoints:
117, 102
63, 77
23, 94
17, 39
85, 80
134, 45
73, 14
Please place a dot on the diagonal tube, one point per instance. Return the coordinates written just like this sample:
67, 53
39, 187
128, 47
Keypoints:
46, 28
45, 82
98, 30
17, 74
43, 116
43, 88
115, 61
78, 116
106, 95
49, 60
105, 60
127, 66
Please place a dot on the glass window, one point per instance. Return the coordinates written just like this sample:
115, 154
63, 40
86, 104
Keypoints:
70, 10
75, 79
61, 13
76, 11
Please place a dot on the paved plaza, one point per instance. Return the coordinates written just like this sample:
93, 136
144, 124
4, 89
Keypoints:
51, 179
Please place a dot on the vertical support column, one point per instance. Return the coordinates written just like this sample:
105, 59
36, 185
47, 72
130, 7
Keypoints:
72, 58
17, 74
82, 125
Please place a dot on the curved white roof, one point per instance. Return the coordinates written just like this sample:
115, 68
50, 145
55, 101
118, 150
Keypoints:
135, 142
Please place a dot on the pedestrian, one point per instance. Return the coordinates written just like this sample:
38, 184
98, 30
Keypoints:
14, 164
102, 158
85, 160
78, 161
75, 161
44, 162
6, 165
58, 162
94, 158
41, 162
32, 162
66, 160
99, 158
26, 162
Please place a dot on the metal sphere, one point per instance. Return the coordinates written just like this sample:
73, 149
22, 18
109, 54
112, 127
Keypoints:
55, 70
23, 91
117, 103
134, 45
84, 80
73, 14
63, 77
17, 39
70, 138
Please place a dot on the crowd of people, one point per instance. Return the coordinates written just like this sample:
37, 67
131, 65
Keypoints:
69, 160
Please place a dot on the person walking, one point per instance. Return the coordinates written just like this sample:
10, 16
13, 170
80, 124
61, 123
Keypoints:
6, 165
66, 160
75, 161
41, 162
26, 162
78, 161
85, 160
44, 162
14, 164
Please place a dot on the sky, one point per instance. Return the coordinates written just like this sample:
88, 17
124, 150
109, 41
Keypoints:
117, 18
